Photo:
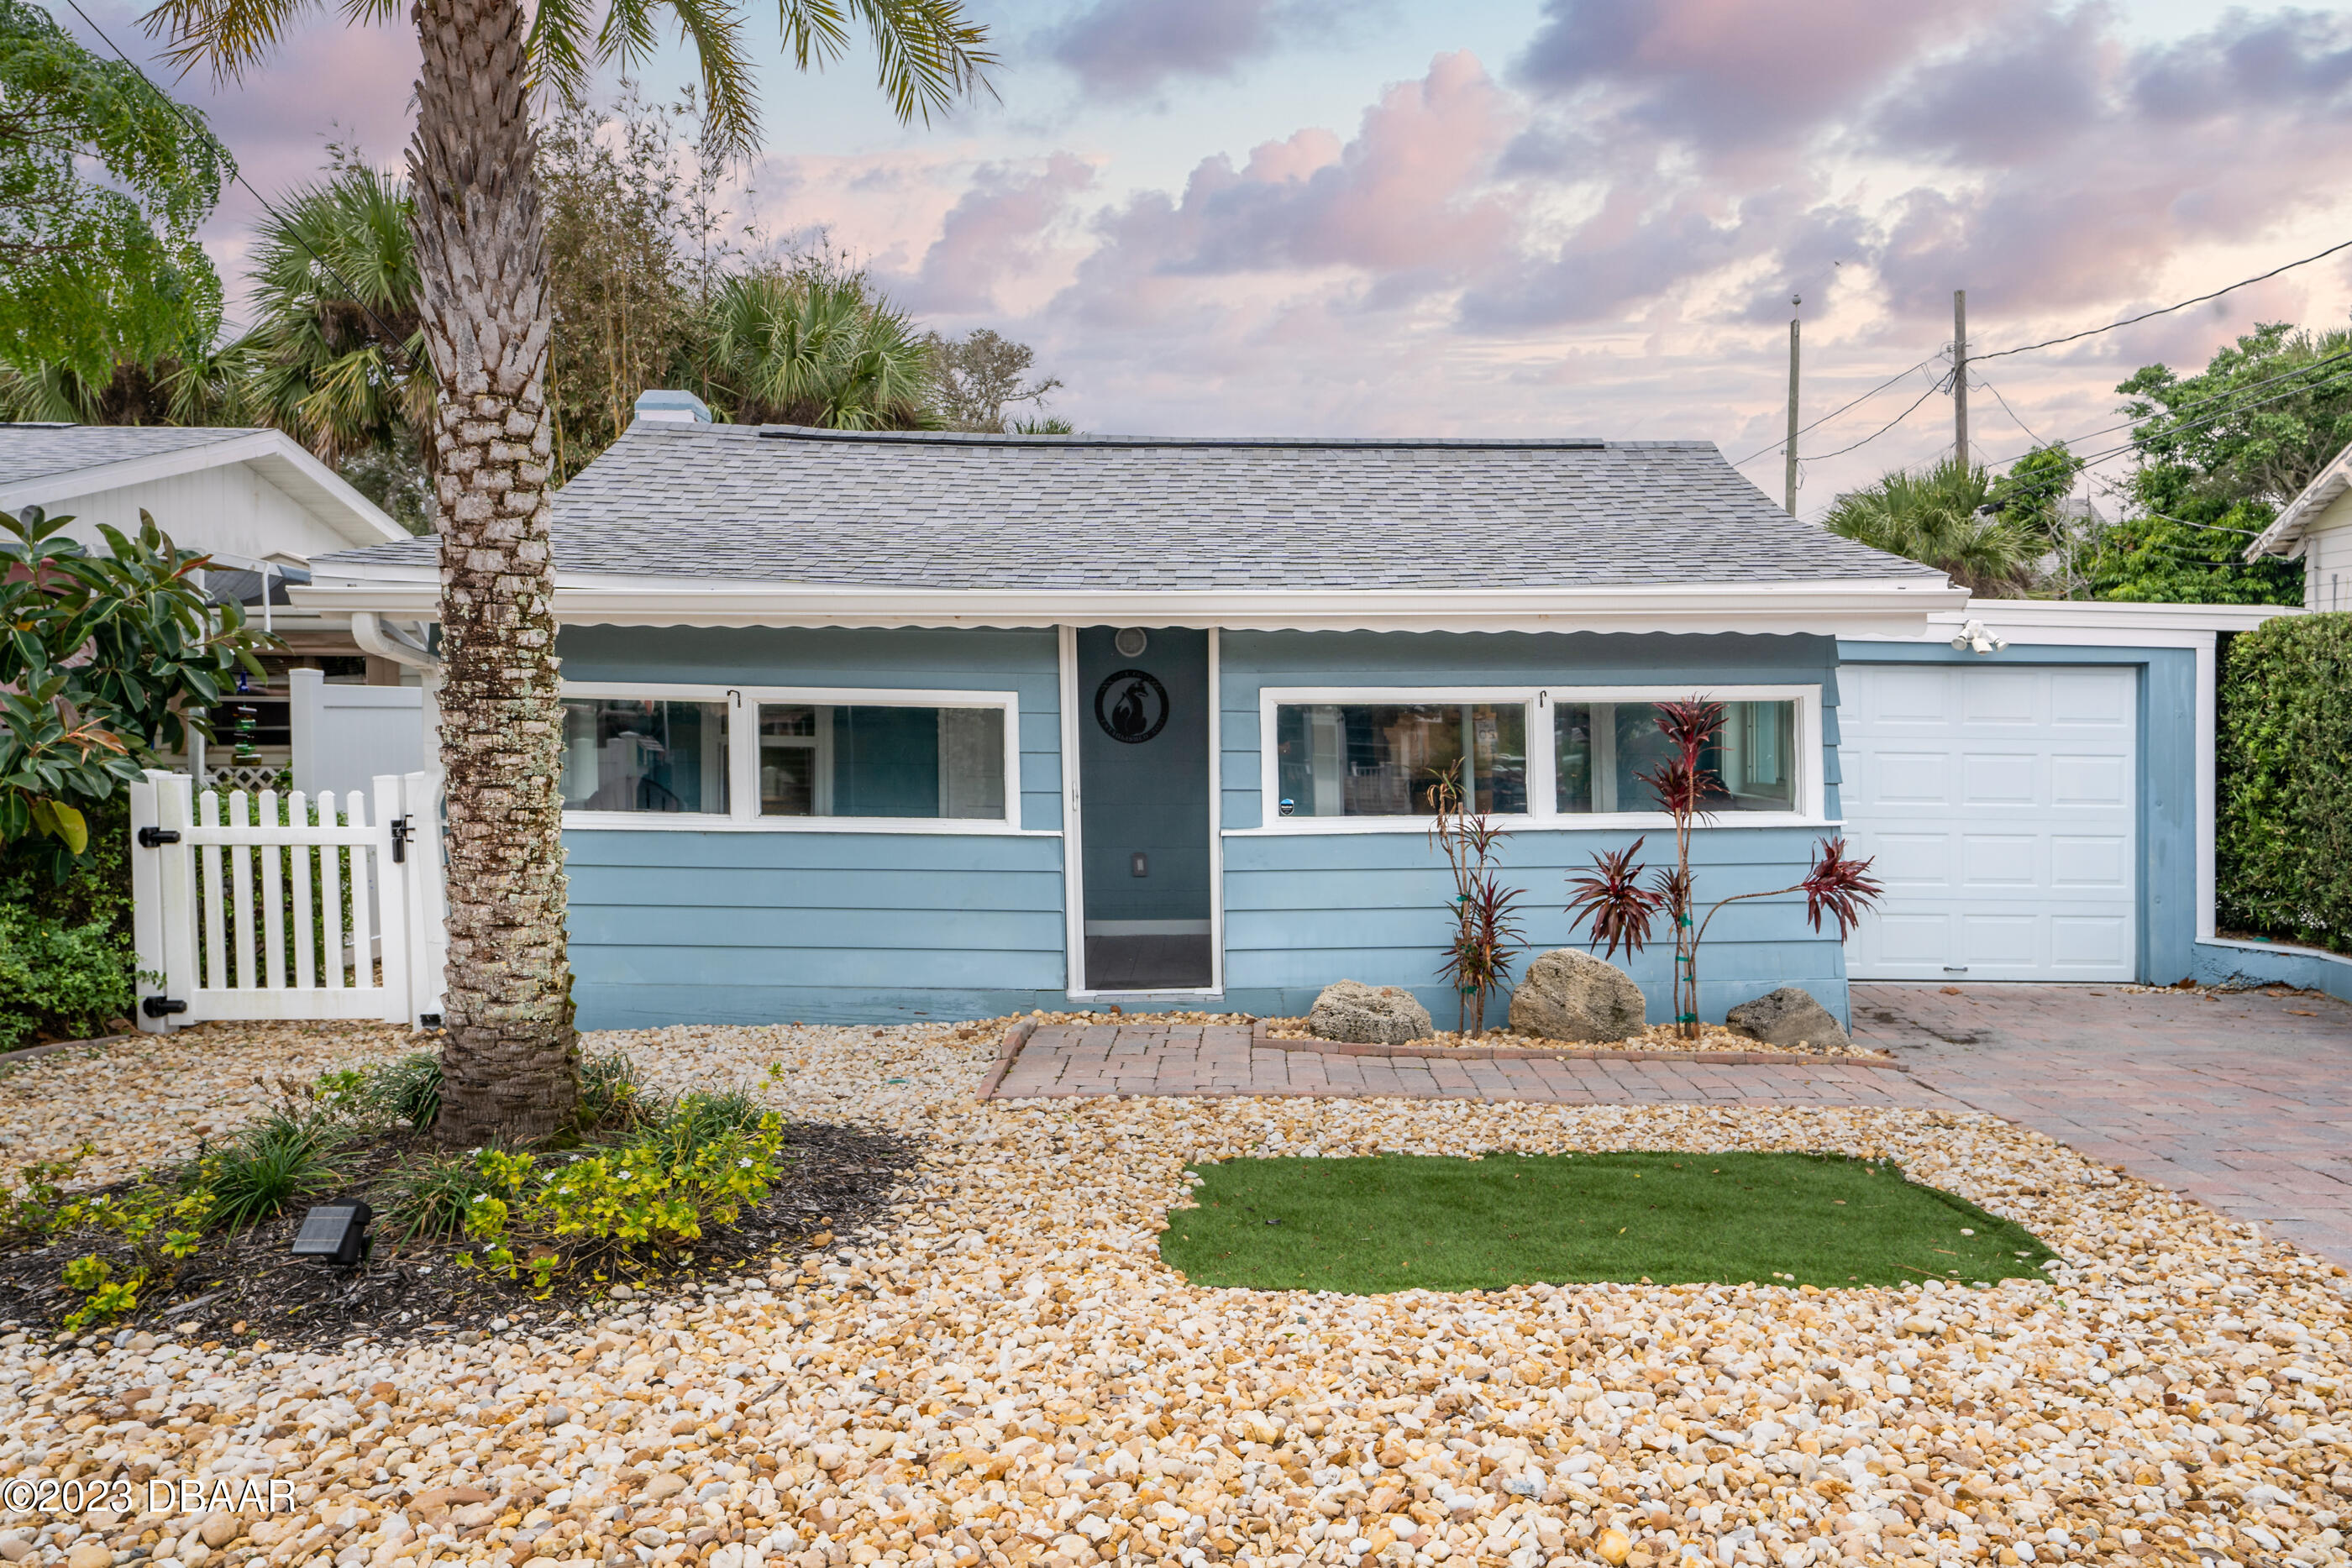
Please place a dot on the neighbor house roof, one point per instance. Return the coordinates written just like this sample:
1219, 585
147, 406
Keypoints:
2287, 529
689, 508
45, 465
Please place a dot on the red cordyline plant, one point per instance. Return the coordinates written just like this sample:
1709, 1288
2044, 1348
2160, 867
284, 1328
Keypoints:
1617, 909
1486, 913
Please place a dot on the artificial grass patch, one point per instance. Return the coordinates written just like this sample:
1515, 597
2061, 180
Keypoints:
1397, 1222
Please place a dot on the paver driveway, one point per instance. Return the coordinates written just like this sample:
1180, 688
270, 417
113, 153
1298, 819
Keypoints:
2242, 1099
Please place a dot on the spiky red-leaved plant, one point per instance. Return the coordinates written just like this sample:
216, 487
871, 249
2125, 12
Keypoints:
1613, 902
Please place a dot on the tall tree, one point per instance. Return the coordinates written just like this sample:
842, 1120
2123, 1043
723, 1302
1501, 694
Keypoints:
1942, 519
336, 355
511, 1060
811, 343
632, 253
981, 375
107, 304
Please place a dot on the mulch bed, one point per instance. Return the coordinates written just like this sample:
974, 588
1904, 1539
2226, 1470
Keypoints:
245, 1286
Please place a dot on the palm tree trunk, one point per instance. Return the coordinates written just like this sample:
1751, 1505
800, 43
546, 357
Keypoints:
510, 1056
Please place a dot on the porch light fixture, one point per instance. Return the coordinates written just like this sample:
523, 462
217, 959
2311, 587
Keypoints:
335, 1231
1974, 637
1130, 642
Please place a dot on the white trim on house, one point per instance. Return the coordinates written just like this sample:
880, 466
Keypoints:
2286, 536
1074, 854
743, 814
1540, 702
274, 455
1888, 608
1216, 820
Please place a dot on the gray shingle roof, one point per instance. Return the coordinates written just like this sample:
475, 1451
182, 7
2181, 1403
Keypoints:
1101, 513
38, 450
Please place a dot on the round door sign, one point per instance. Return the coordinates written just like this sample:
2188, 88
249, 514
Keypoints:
1132, 705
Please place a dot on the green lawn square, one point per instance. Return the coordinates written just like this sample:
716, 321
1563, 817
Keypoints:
1395, 1222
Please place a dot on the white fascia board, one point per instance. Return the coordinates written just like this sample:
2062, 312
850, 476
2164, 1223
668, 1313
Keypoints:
2286, 530
274, 455
2096, 623
1888, 609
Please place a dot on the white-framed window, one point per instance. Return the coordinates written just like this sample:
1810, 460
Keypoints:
1340, 759
790, 758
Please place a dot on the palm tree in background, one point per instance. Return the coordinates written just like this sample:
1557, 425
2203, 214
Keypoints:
510, 1054
1940, 519
336, 355
813, 345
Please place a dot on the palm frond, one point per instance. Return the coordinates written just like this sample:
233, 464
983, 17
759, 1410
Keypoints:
226, 36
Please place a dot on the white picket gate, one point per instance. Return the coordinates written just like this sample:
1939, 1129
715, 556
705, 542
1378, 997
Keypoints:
366, 937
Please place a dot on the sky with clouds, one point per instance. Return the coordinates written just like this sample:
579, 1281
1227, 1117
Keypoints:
1524, 218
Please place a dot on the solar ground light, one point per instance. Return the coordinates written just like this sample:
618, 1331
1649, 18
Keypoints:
335, 1231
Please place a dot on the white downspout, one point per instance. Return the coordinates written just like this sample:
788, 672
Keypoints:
402, 648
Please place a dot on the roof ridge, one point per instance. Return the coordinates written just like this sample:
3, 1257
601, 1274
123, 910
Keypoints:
1209, 443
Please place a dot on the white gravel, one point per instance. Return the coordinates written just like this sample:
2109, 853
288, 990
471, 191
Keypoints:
1010, 1375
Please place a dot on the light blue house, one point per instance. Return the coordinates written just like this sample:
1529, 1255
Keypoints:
873, 726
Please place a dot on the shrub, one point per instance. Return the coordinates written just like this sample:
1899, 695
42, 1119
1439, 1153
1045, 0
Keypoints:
2283, 849
66, 969
696, 1168
433, 1199
268, 1167
610, 1098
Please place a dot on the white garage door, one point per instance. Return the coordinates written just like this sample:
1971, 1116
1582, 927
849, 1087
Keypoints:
1998, 803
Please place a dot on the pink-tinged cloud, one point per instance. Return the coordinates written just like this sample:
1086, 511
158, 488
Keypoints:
1410, 193
996, 231
1117, 47
1731, 73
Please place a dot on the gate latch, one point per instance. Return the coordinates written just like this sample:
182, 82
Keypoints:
161, 1007
399, 839
156, 838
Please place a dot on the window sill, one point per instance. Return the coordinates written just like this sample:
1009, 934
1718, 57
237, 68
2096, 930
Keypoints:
1619, 821
701, 822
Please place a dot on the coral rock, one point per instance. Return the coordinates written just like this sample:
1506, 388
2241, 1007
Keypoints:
1786, 1018
1372, 1015
1572, 995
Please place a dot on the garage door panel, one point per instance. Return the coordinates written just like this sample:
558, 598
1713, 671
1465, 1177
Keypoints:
2088, 864
2076, 780
1998, 940
2003, 697
1999, 861
1998, 779
1909, 859
1999, 804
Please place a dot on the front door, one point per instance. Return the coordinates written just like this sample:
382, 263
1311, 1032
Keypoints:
1143, 791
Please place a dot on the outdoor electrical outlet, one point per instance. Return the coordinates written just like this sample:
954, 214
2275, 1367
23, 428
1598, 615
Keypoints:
1140, 863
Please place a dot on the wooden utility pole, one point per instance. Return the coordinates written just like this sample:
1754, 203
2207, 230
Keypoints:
1960, 376
1790, 455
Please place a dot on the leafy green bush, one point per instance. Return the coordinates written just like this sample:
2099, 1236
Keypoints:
433, 1199
268, 1167
66, 960
610, 1098
2284, 838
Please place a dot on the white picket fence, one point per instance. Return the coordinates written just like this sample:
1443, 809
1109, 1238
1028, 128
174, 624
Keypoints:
352, 920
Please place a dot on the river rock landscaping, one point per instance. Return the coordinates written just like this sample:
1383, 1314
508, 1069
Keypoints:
999, 1369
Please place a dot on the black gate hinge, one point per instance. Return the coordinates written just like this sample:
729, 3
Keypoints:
161, 1007
399, 839
156, 838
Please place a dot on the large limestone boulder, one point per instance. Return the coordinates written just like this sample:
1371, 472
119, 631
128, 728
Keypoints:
1572, 995
1367, 1015
1789, 1017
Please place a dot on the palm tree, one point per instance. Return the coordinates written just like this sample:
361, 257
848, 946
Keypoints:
510, 1057
1940, 518
336, 355
812, 346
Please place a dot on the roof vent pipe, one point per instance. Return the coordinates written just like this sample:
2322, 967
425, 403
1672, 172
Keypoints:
660, 406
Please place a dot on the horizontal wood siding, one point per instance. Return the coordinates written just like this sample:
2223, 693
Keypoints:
670, 926
1304, 910
720, 927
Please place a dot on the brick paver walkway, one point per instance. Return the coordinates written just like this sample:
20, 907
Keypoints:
2242, 1101
1143, 1058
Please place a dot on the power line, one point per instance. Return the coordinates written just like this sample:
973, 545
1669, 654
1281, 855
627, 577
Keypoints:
391, 340
1923, 397
2009, 410
2230, 395
2169, 309
1857, 403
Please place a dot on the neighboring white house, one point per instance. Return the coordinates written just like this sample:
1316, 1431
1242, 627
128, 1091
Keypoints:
2316, 527
261, 506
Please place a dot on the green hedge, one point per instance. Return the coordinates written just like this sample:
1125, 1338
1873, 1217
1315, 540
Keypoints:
66, 963
2284, 839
